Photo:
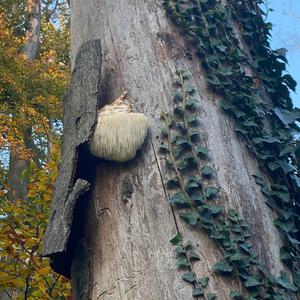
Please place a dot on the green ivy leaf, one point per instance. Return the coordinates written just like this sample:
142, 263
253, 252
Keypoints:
211, 192
289, 81
207, 171
223, 267
233, 215
203, 281
221, 47
211, 296
285, 255
236, 295
180, 250
284, 281
214, 210
192, 255
197, 198
182, 263
191, 103
287, 117
163, 148
190, 217
191, 89
178, 199
285, 226
202, 150
164, 132
198, 292
189, 277
176, 240
192, 119
251, 282
173, 182
183, 142
177, 96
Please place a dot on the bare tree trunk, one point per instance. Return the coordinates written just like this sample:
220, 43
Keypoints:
130, 221
16, 180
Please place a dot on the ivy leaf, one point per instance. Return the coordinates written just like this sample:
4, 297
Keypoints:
182, 164
197, 198
214, 210
193, 255
192, 119
176, 240
203, 281
198, 292
190, 89
202, 150
289, 81
190, 217
221, 47
182, 262
183, 142
163, 148
211, 296
223, 267
189, 277
178, 199
287, 167
191, 103
286, 226
296, 180
192, 184
211, 192
164, 132
207, 171
287, 117
284, 281
194, 135
177, 96
173, 182
246, 247
226, 105
180, 250
251, 282
267, 139
233, 215
285, 255
236, 295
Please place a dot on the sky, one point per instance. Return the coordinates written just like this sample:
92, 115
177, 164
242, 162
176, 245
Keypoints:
286, 34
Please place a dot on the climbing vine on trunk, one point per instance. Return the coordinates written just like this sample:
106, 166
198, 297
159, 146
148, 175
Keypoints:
232, 45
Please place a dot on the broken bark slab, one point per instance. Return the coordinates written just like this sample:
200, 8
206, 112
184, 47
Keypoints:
80, 112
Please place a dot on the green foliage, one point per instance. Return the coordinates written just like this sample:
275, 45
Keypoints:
197, 198
258, 99
185, 258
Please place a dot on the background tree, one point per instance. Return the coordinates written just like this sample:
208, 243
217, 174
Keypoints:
191, 61
34, 63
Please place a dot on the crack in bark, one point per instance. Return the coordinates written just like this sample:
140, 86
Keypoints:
163, 184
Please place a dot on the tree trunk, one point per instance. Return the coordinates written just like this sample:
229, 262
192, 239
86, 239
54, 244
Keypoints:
130, 221
16, 180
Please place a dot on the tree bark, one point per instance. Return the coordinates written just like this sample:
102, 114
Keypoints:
130, 220
16, 180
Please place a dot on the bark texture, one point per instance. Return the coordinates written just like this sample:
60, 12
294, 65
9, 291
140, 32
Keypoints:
130, 221
80, 108
16, 181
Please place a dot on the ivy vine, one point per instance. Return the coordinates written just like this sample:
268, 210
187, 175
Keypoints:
197, 200
255, 89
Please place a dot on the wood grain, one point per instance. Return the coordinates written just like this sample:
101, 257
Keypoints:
130, 220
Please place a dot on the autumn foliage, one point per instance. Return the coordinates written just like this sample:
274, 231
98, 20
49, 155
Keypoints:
31, 95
